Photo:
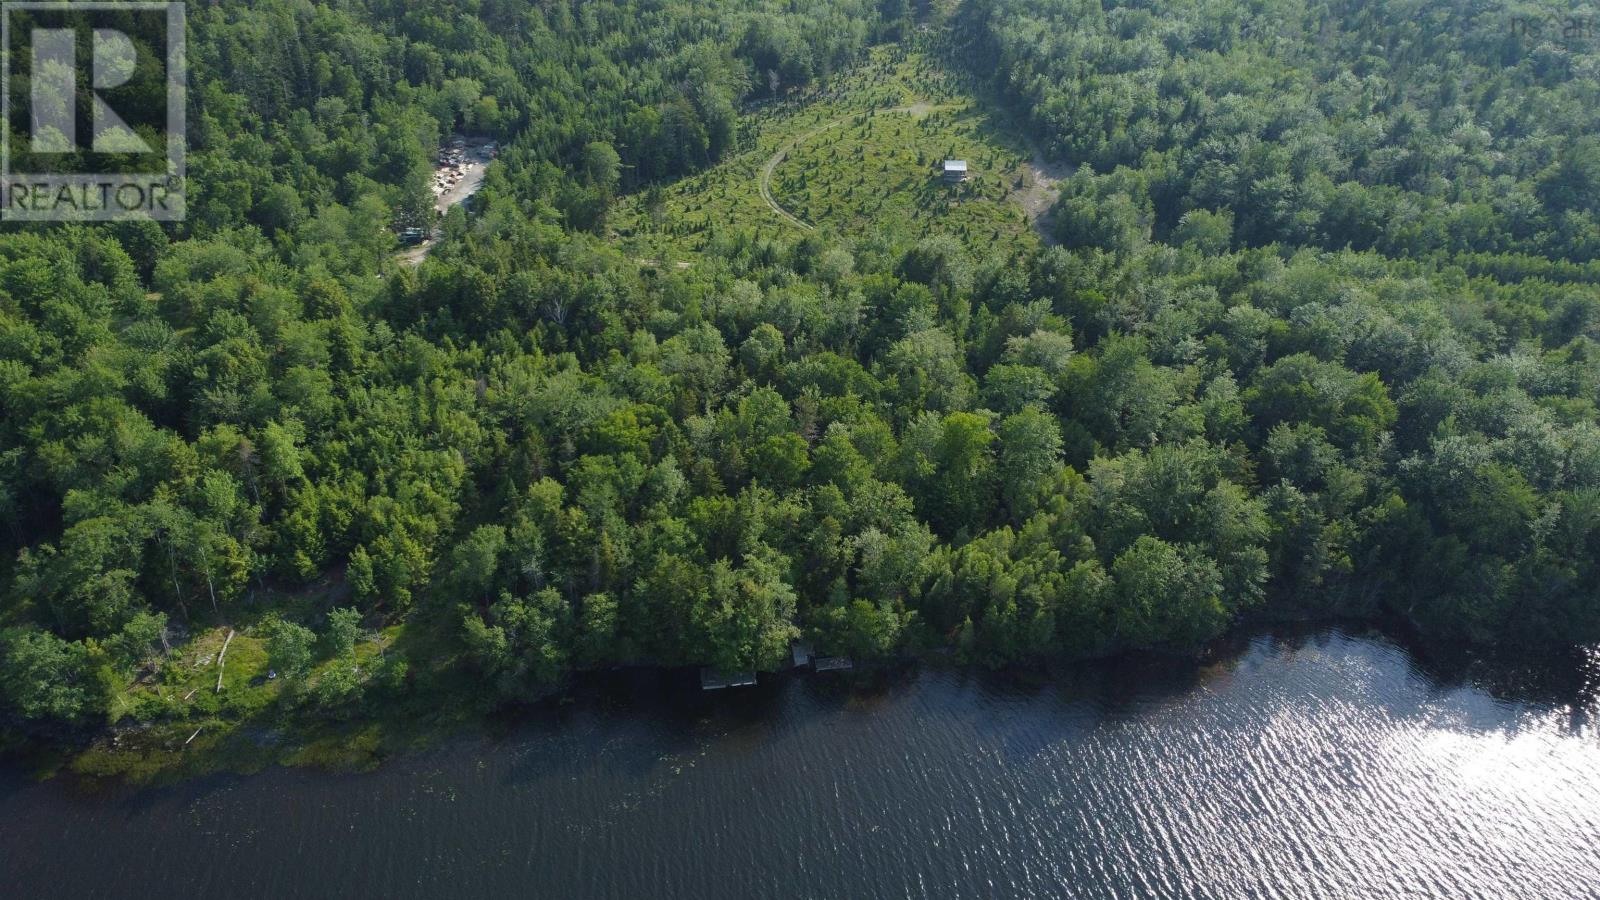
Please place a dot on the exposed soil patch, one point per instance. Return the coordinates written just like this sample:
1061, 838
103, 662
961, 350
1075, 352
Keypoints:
1039, 192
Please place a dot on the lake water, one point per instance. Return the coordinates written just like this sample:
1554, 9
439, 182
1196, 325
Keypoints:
1320, 764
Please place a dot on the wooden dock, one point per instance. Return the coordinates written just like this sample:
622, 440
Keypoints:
713, 680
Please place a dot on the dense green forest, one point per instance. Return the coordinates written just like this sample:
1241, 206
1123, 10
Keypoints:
1312, 332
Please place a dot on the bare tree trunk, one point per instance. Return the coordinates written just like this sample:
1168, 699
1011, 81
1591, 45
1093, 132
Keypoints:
177, 592
220, 655
205, 560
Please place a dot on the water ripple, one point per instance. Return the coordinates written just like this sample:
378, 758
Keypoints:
1328, 766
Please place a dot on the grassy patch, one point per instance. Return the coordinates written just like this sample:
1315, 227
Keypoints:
401, 687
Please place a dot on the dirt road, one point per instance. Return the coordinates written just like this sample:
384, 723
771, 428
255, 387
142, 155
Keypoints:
473, 168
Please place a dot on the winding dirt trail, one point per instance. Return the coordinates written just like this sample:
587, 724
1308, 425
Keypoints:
764, 182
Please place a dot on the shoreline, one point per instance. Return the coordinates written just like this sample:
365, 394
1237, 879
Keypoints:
362, 744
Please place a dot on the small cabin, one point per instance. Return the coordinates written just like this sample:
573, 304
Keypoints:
955, 170
832, 664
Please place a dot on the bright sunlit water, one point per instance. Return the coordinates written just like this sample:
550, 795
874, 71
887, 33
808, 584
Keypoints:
1325, 764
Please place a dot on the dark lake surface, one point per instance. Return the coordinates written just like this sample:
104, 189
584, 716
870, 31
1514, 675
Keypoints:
1322, 763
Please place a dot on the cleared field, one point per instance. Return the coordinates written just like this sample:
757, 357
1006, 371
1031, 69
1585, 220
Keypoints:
859, 159
881, 170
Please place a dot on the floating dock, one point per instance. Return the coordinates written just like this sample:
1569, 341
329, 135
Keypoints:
712, 680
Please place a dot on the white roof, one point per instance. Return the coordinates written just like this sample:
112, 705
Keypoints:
957, 165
